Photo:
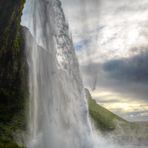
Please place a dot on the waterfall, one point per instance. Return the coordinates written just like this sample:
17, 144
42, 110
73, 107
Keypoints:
58, 114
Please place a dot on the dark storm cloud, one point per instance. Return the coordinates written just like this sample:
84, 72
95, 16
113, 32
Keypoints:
134, 69
127, 76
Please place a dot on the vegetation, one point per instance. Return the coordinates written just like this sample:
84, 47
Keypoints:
102, 118
13, 72
118, 129
5, 143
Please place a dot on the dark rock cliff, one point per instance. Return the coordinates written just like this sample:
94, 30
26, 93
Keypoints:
13, 70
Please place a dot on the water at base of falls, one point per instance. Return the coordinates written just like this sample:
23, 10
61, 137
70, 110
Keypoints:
58, 112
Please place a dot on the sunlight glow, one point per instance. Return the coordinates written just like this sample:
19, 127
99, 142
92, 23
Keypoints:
120, 104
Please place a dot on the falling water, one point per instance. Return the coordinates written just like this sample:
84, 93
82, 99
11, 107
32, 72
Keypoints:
58, 115
58, 111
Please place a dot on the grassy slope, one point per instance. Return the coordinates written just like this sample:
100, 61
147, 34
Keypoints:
103, 118
113, 125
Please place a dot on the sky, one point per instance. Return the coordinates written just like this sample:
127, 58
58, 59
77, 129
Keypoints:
111, 43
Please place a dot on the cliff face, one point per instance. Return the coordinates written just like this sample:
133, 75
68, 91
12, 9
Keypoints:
13, 69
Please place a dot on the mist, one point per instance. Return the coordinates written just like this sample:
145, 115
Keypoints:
97, 47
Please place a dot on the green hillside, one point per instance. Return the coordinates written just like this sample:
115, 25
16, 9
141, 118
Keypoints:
102, 118
116, 128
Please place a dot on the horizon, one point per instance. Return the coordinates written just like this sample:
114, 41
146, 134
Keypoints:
112, 48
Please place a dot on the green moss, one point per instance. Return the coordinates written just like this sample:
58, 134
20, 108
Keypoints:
5, 143
13, 73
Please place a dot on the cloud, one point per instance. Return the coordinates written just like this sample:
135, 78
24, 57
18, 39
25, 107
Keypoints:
133, 69
127, 76
111, 42
122, 21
